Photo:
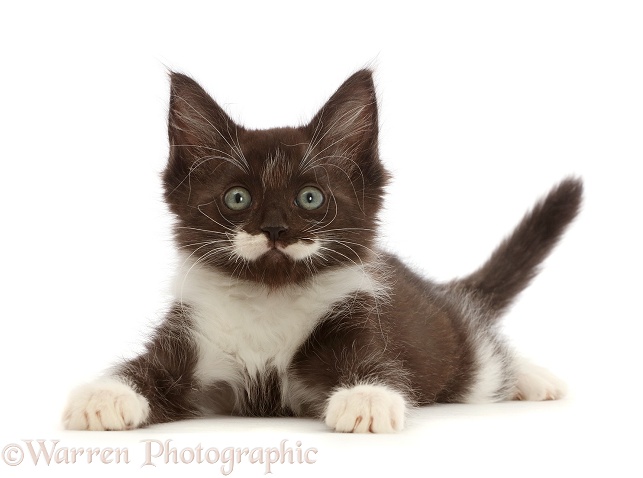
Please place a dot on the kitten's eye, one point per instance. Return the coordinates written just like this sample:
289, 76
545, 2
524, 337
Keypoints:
237, 199
310, 198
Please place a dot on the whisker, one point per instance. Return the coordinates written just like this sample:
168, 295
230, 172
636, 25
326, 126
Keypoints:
239, 162
341, 254
208, 231
315, 164
233, 231
355, 113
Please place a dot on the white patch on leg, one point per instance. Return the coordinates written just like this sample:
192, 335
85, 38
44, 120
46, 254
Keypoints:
491, 375
535, 383
366, 408
107, 404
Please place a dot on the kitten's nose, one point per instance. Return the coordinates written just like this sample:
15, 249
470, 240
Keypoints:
273, 232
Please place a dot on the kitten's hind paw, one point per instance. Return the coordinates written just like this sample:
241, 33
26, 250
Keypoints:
105, 405
537, 384
366, 408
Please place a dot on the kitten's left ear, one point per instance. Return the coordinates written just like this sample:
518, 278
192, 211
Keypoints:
195, 119
346, 127
198, 130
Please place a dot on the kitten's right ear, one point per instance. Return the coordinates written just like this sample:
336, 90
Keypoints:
345, 129
196, 121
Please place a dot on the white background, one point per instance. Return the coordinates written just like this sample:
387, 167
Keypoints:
484, 106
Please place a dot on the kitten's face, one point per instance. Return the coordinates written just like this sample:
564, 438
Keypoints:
275, 206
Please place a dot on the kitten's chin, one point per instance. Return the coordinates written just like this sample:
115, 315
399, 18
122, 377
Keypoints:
276, 269
275, 256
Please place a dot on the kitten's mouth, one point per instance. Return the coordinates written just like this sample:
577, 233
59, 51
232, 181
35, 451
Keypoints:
274, 246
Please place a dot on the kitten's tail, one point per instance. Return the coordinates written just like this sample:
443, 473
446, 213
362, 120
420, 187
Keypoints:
515, 261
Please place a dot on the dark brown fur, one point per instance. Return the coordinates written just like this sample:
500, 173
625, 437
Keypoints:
163, 373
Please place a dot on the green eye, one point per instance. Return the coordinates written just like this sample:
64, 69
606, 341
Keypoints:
237, 199
310, 198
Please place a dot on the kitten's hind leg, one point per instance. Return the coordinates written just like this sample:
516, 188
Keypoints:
535, 383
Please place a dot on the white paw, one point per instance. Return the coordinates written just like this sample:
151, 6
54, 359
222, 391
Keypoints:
107, 404
366, 408
536, 383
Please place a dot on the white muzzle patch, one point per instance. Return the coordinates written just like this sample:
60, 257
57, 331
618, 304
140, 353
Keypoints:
252, 246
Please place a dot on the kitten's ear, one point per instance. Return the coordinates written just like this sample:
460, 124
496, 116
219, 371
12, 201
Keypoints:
195, 119
346, 127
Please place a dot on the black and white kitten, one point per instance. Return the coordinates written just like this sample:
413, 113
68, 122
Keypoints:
284, 305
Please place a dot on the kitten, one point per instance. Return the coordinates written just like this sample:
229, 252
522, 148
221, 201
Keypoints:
284, 305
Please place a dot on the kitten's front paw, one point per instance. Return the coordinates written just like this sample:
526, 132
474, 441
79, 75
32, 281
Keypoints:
366, 408
105, 405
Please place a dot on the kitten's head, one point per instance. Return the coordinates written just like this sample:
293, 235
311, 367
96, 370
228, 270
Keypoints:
279, 205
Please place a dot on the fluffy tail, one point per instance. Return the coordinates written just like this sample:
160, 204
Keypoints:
515, 261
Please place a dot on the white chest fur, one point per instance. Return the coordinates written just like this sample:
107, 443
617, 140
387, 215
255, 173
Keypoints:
244, 327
